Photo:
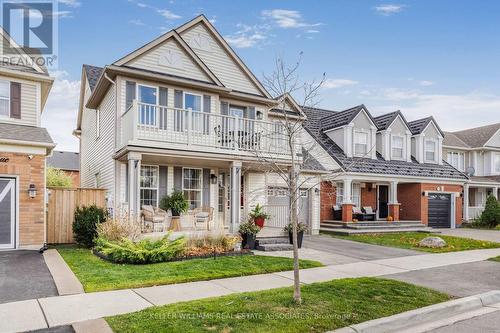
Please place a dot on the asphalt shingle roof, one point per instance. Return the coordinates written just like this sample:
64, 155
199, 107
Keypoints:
379, 165
418, 126
93, 73
340, 118
489, 179
478, 136
385, 120
65, 160
451, 140
24, 133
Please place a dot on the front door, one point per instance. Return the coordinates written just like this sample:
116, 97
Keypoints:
7, 213
383, 199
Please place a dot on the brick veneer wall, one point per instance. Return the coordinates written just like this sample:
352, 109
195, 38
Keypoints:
31, 211
328, 200
414, 205
369, 197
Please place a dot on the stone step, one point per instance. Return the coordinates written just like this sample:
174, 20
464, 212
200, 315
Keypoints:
340, 223
347, 232
275, 247
271, 240
386, 226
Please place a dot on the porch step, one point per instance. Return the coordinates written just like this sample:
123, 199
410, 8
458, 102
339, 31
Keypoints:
271, 240
386, 226
333, 223
273, 244
347, 231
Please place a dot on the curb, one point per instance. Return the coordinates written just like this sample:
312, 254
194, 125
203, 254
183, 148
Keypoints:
430, 317
64, 278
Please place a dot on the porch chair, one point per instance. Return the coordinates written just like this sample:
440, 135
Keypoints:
337, 213
203, 217
157, 217
369, 214
357, 213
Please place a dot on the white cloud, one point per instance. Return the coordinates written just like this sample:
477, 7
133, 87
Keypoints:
389, 9
136, 22
425, 83
286, 18
338, 83
71, 3
397, 94
168, 14
312, 31
248, 36
61, 110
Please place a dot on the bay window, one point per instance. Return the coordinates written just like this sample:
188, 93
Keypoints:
149, 185
430, 151
457, 160
397, 147
4, 98
360, 143
192, 183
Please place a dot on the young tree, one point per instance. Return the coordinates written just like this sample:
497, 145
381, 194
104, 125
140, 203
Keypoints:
57, 178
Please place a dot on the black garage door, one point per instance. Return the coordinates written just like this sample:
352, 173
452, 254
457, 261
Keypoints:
439, 210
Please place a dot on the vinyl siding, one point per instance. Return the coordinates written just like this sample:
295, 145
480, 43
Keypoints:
151, 61
220, 62
29, 103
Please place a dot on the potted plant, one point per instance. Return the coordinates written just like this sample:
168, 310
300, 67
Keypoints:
259, 216
301, 228
176, 202
248, 231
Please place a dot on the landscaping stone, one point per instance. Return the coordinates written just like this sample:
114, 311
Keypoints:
434, 242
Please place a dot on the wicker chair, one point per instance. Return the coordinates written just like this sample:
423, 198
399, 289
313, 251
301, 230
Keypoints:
155, 216
203, 217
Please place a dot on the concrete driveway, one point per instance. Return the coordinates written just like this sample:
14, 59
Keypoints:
351, 251
479, 234
23, 276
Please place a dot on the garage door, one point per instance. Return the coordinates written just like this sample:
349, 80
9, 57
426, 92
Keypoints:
7, 213
439, 213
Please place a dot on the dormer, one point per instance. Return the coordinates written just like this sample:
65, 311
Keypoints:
393, 137
427, 141
353, 130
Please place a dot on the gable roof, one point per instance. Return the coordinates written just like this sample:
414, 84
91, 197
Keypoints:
93, 74
287, 99
314, 125
419, 125
14, 132
343, 118
64, 160
477, 136
384, 121
451, 140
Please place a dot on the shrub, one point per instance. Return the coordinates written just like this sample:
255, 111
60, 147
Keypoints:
85, 224
490, 217
300, 227
57, 178
118, 228
249, 227
206, 244
176, 202
146, 251
258, 212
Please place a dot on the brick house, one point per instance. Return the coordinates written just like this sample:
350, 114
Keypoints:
24, 146
385, 163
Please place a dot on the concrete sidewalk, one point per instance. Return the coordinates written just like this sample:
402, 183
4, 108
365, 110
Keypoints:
63, 310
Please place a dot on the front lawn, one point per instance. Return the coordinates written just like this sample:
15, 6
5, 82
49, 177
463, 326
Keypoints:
495, 259
96, 274
409, 240
326, 306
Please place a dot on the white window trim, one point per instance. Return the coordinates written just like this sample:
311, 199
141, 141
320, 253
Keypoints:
8, 101
201, 182
356, 194
194, 94
403, 148
138, 85
339, 193
435, 150
157, 167
358, 131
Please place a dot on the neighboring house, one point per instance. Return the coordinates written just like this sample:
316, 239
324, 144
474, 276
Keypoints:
476, 152
68, 162
386, 163
24, 145
183, 112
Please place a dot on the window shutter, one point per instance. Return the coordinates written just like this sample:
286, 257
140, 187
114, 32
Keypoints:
178, 99
15, 100
251, 112
224, 108
178, 178
178, 115
163, 101
162, 182
206, 118
129, 94
206, 187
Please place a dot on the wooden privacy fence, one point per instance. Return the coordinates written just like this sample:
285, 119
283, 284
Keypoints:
61, 206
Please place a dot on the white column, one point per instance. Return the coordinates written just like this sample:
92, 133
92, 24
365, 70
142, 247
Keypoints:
440, 150
466, 203
373, 142
134, 167
408, 146
347, 191
235, 195
393, 192
495, 192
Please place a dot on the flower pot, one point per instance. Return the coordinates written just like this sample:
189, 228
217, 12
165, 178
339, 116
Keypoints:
175, 213
259, 221
300, 236
248, 241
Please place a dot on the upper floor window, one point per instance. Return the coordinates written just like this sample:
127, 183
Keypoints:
397, 147
360, 143
457, 160
192, 102
147, 104
497, 163
430, 150
5, 98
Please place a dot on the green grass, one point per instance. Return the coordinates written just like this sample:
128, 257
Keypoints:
409, 240
96, 274
495, 259
326, 306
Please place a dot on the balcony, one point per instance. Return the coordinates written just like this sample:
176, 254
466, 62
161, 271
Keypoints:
166, 127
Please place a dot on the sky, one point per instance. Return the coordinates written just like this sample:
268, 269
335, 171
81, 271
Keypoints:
425, 57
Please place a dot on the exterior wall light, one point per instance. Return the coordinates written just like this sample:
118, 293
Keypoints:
213, 179
32, 191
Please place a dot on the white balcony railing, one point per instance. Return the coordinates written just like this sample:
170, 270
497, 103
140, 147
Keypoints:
198, 129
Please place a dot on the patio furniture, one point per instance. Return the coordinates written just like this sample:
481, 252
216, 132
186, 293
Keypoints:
337, 213
155, 216
369, 214
357, 213
202, 217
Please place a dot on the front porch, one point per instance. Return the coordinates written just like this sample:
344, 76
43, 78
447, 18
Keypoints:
475, 195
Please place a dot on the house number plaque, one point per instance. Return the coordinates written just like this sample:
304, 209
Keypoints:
4, 159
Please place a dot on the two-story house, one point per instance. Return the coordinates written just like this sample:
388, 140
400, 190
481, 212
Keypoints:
392, 166
24, 145
184, 113
476, 152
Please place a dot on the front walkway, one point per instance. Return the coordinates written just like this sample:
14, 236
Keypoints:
479, 234
63, 310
